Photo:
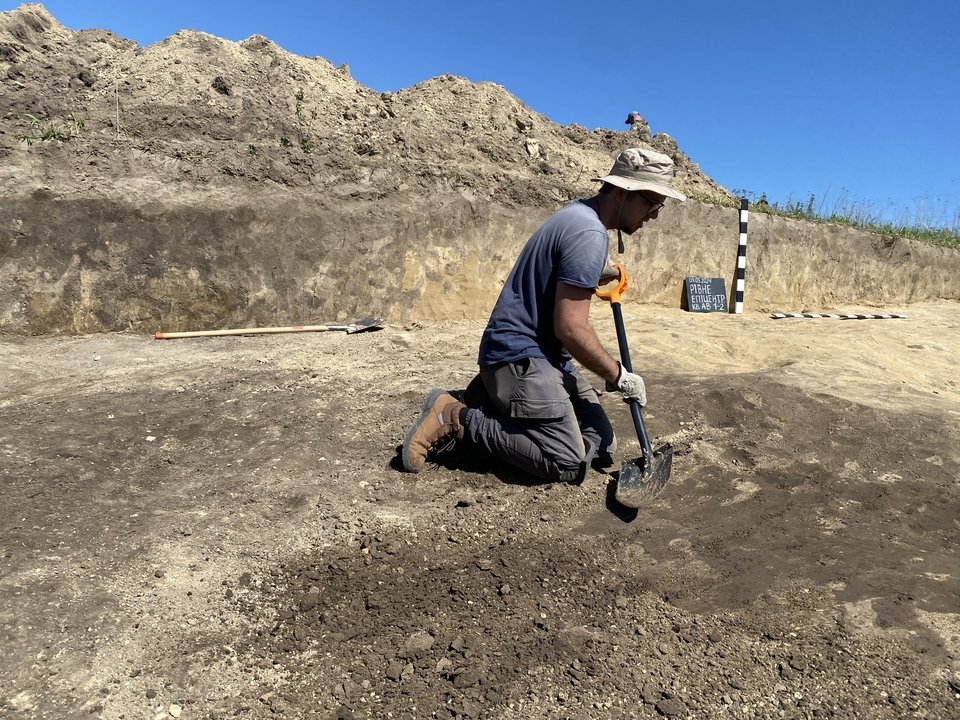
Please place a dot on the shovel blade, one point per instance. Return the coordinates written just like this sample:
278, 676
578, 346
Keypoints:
641, 480
367, 323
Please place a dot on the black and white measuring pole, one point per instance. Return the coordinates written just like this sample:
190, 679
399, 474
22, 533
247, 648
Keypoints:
741, 258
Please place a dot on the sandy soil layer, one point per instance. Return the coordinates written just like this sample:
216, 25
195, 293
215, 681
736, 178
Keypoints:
214, 528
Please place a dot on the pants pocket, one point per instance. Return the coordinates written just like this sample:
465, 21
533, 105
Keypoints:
537, 409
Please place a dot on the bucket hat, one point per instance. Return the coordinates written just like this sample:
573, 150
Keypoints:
642, 169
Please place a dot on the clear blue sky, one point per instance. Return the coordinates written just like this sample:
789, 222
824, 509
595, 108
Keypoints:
854, 101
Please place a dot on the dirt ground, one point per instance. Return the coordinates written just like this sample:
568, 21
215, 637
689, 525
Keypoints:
214, 528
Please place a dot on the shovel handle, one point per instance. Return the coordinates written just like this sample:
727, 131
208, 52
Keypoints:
160, 335
635, 410
613, 294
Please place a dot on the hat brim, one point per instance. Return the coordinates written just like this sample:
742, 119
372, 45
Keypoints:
634, 185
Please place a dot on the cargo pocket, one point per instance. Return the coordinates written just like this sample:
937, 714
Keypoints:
537, 409
539, 394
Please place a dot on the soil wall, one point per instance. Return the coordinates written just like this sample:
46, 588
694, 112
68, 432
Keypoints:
95, 264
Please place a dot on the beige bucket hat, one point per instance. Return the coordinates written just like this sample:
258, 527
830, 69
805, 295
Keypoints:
642, 169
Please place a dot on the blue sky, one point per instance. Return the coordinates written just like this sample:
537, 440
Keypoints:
856, 102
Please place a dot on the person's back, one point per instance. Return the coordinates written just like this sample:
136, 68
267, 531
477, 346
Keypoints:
570, 247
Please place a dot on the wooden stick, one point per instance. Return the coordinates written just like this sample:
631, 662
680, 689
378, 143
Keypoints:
246, 331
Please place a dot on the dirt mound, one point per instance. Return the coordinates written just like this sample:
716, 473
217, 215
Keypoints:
202, 110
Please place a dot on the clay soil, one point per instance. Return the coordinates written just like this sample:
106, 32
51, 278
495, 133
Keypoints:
216, 528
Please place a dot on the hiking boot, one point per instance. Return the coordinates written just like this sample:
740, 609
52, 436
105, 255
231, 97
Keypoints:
438, 424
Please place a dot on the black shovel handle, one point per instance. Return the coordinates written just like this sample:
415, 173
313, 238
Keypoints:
635, 410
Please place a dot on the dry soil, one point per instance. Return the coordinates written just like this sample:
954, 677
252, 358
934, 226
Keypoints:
216, 527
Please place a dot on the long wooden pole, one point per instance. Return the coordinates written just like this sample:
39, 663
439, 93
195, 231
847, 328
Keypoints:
247, 331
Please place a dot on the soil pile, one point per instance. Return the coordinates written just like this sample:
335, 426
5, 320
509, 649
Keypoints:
200, 110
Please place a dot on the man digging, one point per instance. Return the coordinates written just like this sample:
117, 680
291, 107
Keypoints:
529, 405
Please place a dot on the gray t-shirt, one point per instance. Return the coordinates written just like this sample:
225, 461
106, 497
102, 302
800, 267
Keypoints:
570, 247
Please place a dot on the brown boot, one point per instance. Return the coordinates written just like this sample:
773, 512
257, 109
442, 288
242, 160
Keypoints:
439, 421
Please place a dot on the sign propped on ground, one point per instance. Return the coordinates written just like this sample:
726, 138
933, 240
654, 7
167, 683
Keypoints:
702, 294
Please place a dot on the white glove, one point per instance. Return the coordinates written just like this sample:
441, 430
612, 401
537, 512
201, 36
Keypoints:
631, 385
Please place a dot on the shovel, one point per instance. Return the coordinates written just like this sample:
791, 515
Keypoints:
368, 323
640, 480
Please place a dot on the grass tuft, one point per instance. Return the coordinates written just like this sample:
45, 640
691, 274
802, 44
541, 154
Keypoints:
58, 131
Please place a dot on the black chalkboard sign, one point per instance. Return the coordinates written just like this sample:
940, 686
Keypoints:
705, 294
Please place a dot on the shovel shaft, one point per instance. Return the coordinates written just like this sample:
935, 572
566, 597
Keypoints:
243, 331
369, 323
635, 410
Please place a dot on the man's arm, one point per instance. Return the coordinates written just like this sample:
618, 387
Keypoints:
571, 324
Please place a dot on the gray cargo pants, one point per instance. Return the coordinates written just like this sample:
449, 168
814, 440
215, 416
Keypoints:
540, 419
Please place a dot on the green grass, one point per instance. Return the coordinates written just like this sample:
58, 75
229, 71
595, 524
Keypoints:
56, 130
915, 225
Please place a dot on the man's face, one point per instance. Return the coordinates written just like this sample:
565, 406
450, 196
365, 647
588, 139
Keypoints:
638, 208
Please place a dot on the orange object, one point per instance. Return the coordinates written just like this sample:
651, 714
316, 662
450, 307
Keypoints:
613, 294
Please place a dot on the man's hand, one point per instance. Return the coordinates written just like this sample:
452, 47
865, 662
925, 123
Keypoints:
631, 385
609, 273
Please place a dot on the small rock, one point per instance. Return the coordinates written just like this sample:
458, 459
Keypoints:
310, 598
650, 693
671, 707
471, 708
468, 678
175, 711
394, 670
221, 86
417, 644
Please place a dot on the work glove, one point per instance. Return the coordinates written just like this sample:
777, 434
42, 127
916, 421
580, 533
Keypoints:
631, 385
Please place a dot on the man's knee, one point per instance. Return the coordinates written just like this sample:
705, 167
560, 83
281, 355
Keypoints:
574, 471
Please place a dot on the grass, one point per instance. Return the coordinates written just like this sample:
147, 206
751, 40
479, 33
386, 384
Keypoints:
915, 225
51, 130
